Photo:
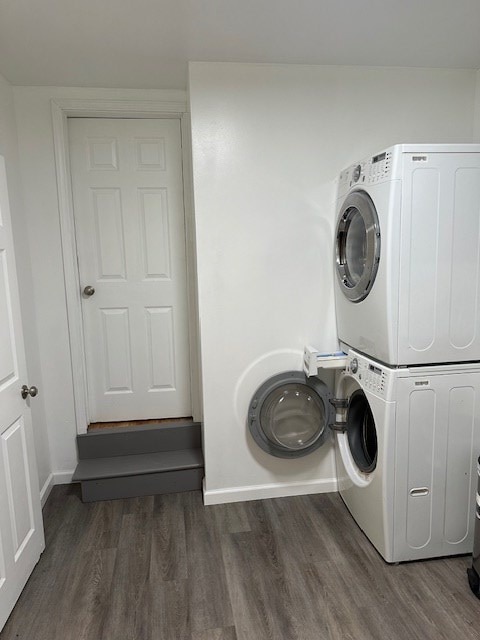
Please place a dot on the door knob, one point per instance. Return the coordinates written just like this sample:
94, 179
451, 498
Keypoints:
88, 291
33, 391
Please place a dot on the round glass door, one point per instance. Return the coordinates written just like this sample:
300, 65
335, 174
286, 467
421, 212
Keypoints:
357, 246
289, 415
361, 432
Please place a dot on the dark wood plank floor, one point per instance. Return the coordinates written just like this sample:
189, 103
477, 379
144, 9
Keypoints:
168, 568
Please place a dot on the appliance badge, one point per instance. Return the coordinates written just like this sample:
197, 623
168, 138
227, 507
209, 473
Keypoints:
419, 158
422, 383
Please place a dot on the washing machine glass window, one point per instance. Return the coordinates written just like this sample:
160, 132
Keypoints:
362, 432
357, 246
289, 415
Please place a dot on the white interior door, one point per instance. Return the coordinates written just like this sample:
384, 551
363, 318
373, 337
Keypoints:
129, 220
21, 526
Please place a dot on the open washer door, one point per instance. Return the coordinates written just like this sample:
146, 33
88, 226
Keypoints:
357, 246
290, 415
357, 439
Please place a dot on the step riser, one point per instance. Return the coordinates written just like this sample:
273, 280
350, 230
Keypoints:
142, 485
138, 440
143, 464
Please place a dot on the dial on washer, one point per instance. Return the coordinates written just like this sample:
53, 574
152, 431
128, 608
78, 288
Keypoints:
357, 172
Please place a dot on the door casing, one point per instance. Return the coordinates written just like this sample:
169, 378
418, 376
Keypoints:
76, 108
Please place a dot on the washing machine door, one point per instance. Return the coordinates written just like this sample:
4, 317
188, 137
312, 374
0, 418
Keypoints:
358, 442
357, 246
290, 415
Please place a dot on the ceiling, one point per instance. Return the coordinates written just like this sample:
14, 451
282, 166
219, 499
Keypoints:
147, 43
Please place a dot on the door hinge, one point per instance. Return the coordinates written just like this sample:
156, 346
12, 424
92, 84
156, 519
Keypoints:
339, 427
339, 403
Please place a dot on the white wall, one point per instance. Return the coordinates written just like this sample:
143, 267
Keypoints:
34, 122
268, 143
476, 132
9, 149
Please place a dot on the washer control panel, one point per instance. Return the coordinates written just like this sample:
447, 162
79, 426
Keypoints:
375, 379
371, 375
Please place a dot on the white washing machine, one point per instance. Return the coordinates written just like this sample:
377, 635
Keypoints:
406, 462
406, 445
407, 286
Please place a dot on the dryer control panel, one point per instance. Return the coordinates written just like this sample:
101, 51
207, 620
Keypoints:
371, 375
379, 167
368, 171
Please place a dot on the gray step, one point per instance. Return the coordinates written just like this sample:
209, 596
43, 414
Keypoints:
139, 475
123, 441
120, 466
142, 485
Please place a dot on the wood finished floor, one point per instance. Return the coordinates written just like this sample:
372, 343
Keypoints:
168, 568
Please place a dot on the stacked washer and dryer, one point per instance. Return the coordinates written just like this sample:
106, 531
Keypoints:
407, 297
406, 411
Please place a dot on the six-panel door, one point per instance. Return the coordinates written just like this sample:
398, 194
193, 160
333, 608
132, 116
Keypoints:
21, 527
129, 220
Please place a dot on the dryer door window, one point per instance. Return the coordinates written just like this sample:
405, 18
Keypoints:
289, 415
361, 432
357, 246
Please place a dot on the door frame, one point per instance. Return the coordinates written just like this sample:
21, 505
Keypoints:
62, 110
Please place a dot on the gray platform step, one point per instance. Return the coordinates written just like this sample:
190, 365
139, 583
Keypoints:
119, 466
142, 460
142, 485
138, 475
122, 441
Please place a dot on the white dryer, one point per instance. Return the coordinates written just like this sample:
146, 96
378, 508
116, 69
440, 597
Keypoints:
407, 286
406, 460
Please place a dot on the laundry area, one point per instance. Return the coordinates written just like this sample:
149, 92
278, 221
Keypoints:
239, 311
407, 388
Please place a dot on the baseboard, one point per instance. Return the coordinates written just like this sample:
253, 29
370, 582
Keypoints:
59, 477
276, 490
45, 490
63, 477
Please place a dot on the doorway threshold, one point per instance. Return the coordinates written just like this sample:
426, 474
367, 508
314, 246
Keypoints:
94, 426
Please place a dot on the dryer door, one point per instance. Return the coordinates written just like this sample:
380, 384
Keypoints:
358, 444
357, 245
290, 415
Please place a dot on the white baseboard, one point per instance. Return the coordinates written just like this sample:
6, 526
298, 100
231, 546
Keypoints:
231, 494
59, 477
45, 490
63, 477
262, 491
